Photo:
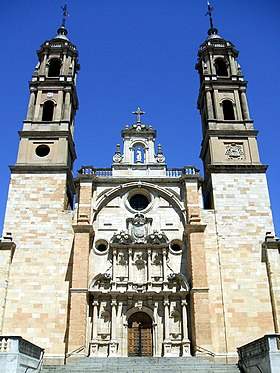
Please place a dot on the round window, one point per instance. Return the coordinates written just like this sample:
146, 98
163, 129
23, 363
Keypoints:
176, 247
42, 150
139, 202
101, 246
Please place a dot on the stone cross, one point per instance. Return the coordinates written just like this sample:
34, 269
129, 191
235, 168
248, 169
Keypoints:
138, 114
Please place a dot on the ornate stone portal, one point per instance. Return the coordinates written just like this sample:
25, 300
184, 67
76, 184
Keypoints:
139, 282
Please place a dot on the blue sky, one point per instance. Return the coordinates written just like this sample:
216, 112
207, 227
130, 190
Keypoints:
141, 53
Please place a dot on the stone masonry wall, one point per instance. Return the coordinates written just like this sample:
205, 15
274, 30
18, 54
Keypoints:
37, 299
239, 292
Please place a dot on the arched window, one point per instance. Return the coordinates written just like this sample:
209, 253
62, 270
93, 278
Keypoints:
54, 67
228, 110
48, 109
221, 67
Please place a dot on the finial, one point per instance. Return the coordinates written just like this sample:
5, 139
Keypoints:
209, 13
138, 114
159, 149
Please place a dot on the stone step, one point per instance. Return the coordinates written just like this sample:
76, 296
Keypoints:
142, 365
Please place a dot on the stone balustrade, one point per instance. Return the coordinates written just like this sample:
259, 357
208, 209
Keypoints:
18, 354
107, 172
261, 355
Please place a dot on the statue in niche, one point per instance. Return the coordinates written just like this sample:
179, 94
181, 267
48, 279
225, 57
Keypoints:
139, 154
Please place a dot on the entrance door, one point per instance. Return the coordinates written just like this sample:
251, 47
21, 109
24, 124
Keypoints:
140, 338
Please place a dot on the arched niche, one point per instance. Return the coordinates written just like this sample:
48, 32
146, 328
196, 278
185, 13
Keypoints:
139, 153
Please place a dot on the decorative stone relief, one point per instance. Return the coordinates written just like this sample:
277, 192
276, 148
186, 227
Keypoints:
234, 151
160, 158
122, 238
122, 259
139, 226
157, 238
117, 157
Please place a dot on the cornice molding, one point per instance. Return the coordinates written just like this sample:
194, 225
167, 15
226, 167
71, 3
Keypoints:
237, 168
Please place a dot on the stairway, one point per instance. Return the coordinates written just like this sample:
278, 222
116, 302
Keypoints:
142, 365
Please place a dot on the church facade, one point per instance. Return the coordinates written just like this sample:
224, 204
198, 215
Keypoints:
139, 259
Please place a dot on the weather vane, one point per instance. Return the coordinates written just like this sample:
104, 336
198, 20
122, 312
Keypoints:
65, 14
209, 13
138, 114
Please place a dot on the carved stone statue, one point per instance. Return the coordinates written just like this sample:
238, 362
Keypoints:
138, 155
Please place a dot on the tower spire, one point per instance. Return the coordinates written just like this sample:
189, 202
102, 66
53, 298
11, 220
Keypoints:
65, 14
209, 13
62, 31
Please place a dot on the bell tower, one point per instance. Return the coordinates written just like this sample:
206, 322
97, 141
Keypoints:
237, 208
46, 140
229, 138
39, 212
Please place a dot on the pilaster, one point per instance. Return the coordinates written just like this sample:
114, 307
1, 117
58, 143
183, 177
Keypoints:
201, 334
271, 257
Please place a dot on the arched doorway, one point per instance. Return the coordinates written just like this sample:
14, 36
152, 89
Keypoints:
140, 336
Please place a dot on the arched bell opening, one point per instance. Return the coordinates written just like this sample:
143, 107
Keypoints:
54, 68
48, 111
140, 335
228, 110
221, 67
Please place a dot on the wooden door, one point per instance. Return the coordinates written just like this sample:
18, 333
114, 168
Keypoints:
140, 338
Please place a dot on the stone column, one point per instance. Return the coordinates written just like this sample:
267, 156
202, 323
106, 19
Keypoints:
58, 107
94, 319
186, 342
201, 334
232, 65
130, 254
37, 110
31, 106
67, 107
156, 348
164, 266
43, 69
94, 344
244, 105
114, 263
166, 319
167, 347
218, 110
209, 104
149, 265
113, 343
